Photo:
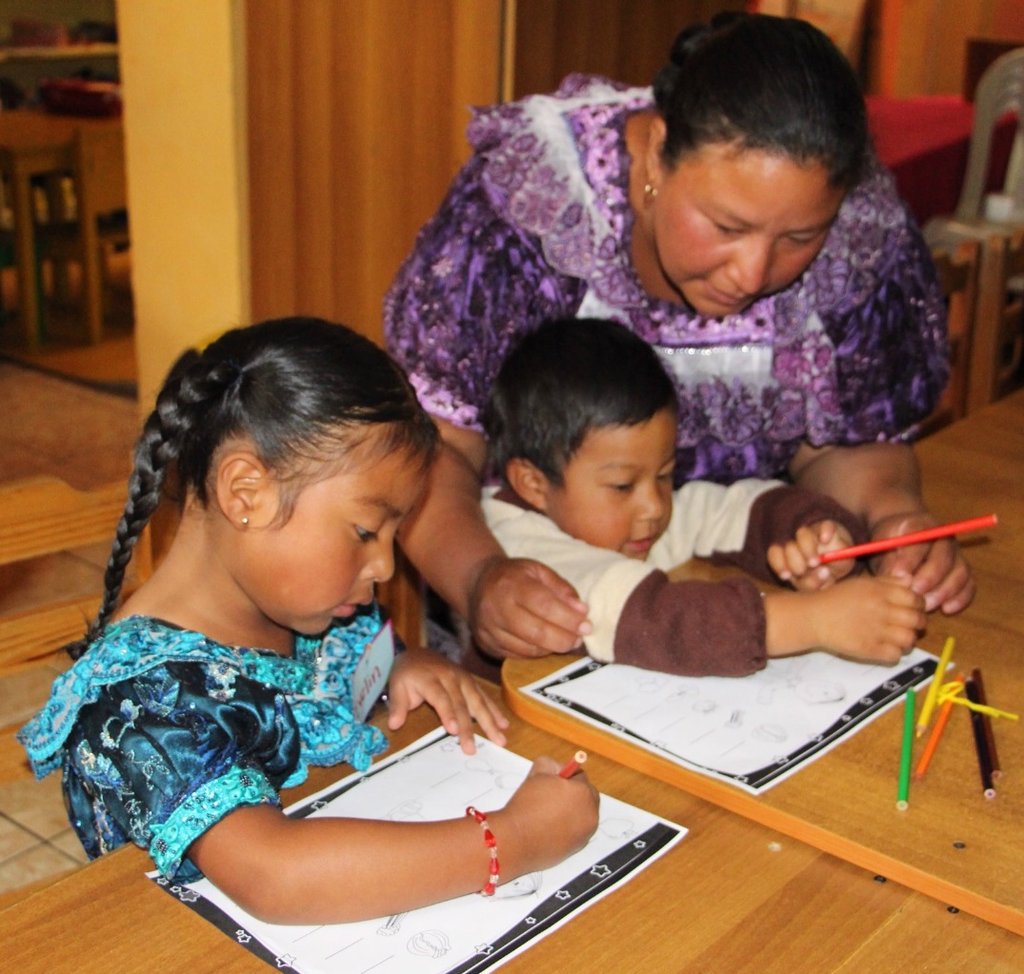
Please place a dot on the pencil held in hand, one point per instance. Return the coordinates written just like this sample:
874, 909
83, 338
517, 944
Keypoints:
573, 765
914, 537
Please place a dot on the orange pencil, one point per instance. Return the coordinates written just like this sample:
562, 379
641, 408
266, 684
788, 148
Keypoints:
933, 739
573, 764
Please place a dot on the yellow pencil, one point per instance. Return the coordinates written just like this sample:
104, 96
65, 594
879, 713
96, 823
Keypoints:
933, 689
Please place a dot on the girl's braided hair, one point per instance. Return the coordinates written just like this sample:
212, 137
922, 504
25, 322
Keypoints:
293, 387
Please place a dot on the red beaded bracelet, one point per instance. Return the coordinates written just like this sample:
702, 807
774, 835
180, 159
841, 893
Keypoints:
492, 846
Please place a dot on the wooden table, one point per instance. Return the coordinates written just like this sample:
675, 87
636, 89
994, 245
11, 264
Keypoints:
34, 143
951, 844
732, 896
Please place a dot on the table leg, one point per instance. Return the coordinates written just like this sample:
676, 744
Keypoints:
25, 252
58, 213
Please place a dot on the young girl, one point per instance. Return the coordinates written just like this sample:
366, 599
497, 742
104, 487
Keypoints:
295, 449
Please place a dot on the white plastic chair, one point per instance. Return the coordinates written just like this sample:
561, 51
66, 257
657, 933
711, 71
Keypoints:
995, 221
1000, 90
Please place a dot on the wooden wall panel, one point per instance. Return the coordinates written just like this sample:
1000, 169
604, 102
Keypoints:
357, 113
628, 41
918, 47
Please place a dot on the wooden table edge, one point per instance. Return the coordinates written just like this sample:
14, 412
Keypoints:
581, 734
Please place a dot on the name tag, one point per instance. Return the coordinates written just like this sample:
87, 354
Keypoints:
372, 671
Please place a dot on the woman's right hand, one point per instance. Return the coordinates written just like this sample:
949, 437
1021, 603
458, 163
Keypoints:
548, 818
522, 608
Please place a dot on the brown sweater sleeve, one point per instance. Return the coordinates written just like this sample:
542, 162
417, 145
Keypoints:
774, 519
693, 628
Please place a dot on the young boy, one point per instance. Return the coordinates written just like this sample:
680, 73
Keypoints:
582, 428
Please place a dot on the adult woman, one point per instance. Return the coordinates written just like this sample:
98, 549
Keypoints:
741, 225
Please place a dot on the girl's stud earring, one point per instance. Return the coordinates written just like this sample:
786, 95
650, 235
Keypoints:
650, 191
245, 522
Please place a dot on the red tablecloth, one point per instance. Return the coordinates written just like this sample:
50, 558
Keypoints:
924, 141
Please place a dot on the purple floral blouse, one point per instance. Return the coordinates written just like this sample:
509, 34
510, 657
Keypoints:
538, 225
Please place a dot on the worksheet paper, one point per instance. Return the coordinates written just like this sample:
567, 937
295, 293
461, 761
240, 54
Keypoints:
433, 779
752, 731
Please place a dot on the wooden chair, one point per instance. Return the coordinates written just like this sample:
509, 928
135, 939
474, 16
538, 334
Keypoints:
998, 340
402, 597
45, 517
957, 270
101, 219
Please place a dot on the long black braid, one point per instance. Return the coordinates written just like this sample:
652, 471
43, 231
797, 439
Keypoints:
289, 385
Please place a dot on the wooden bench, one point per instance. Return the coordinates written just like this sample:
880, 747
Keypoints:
44, 520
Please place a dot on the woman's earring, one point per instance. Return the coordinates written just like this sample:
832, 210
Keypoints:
650, 191
245, 522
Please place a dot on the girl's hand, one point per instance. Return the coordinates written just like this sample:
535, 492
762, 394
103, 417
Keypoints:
797, 561
549, 816
422, 676
936, 571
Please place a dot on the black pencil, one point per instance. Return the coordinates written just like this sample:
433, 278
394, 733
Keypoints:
990, 737
980, 744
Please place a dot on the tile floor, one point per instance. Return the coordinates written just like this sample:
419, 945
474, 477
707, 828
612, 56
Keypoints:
36, 842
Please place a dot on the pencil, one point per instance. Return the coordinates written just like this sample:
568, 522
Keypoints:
914, 537
903, 787
986, 723
980, 744
933, 738
573, 764
933, 688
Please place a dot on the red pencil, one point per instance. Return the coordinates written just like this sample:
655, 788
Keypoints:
915, 537
573, 764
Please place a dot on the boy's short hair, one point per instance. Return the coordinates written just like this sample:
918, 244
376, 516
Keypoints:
564, 379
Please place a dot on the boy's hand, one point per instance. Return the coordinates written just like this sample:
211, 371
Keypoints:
422, 676
797, 561
875, 620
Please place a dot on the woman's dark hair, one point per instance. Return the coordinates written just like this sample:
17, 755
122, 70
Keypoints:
777, 84
292, 387
563, 380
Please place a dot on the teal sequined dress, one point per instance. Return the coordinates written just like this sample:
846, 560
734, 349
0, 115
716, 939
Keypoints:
160, 731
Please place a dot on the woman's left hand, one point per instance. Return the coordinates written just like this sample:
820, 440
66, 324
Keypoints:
937, 571
881, 482
422, 676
